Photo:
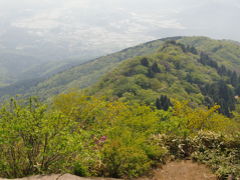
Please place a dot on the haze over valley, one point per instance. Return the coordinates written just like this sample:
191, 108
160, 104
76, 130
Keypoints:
76, 31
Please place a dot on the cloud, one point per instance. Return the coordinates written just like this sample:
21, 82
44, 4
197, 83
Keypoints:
153, 21
44, 20
113, 24
77, 4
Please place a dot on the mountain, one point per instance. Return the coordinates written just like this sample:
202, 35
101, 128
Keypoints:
12, 65
80, 76
176, 71
15, 67
18, 78
167, 71
226, 52
223, 52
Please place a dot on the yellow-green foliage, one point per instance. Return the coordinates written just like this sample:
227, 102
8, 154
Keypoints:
127, 150
201, 118
33, 140
183, 119
91, 136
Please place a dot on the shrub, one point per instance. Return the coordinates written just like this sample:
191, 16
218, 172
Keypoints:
129, 150
35, 141
221, 153
122, 135
80, 170
124, 161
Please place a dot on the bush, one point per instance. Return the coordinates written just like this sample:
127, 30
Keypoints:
35, 141
124, 161
80, 170
221, 153
178, 147
122, 135
129, 150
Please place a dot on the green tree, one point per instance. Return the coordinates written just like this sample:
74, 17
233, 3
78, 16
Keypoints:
234, 79
144, 62
155, 68
163, 103
222, 95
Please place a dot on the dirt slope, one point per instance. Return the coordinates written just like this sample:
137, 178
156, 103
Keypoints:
182, 170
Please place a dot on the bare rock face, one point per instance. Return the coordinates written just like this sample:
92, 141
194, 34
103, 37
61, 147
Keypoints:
59, 177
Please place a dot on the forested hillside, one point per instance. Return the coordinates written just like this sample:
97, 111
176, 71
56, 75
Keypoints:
224, 52
17, 67
79, 76
177, 71
12, 65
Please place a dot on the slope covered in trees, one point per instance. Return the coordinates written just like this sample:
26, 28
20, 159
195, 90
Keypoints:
12, 65
86, 74
223, 52
18, 67
177, 71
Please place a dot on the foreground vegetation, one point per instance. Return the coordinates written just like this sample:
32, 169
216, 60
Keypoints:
90, 136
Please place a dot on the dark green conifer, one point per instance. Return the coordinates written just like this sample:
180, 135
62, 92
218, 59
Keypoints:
163, 102
155, 68
144, 62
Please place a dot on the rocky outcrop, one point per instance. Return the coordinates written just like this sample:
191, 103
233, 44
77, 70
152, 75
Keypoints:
59, 177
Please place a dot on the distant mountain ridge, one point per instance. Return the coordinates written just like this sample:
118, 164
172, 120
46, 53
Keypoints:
80, 76
177, 71
224, 52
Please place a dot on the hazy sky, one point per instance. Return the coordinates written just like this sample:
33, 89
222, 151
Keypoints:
119, 23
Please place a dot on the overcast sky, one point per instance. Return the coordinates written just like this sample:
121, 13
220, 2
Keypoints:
120, 23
